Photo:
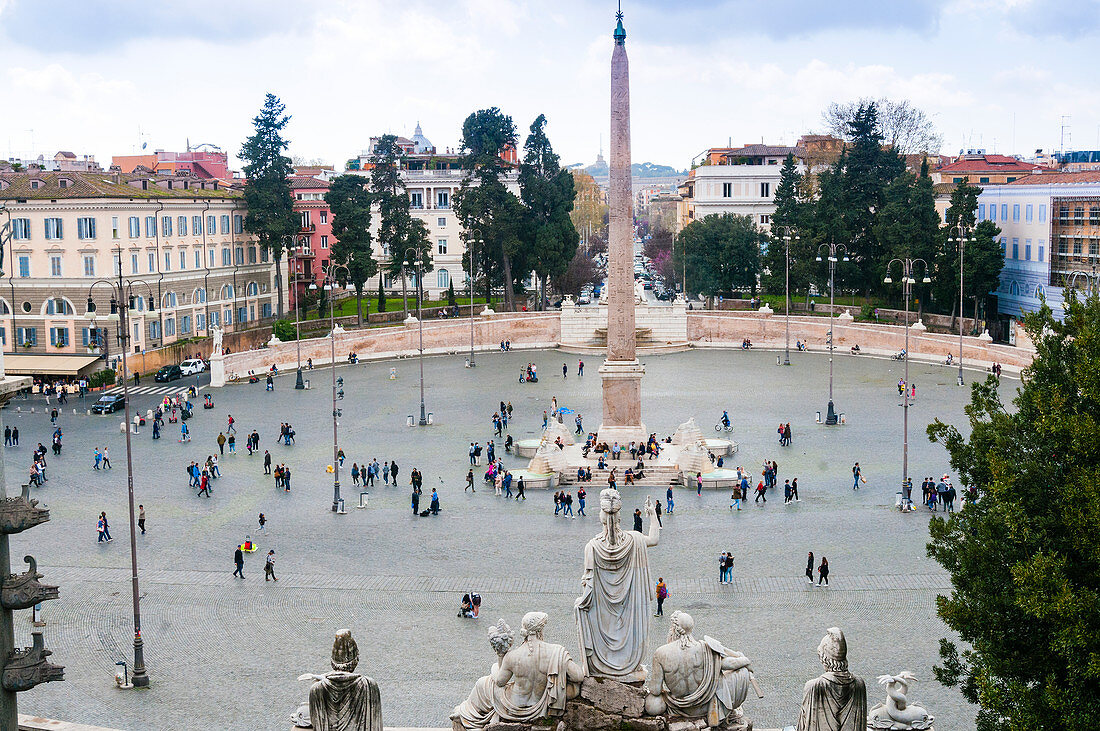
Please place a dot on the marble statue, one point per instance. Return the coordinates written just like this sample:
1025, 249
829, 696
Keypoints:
696, 679
613, 608
898, 713
344, 700
837, 700
217, 334
528, 682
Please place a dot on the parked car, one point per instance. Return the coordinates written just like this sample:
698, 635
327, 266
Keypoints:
191, 367
168, 373
108, 404
584, 299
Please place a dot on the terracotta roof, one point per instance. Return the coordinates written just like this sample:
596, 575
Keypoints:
17, 186
988, 163
1053, 177
299, 182
756, 150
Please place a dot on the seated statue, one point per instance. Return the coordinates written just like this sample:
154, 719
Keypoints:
344, 700
527, 682
898, 713
837, 700
697, 679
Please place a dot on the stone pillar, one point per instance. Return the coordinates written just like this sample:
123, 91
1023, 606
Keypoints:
621, 372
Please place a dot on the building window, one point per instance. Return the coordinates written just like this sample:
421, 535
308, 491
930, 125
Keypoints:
181, 225
1028, 212
305, 220
242, 314
765, 190
1077, 247
170, 326
1063, 247
251, 254
198, 259
24, 266
765, 218
225, 224
442, 244
199, 296
263, 254
1015, 248
185, 325
26, 335
442, 199
89, 265
53, 228
238, 224
1010, 179
154, 329
443, 278
238, 255
441, 222
183, 260
416, 199
150, 227
1027, 249
211, 258
21, 229
1042, 213
727, 190
1094, 216
324, 216
1042, 250
200, 321
196, 225
135, 227
166, 224
168, 261
265, 310
1016, 213
324, 242
983, 180
1079, 215
981, 211
133, 263
956, 180
59, 336
58, 306
252, 289
227, 258
227, 317
152, 261
85, 228
992, 211
1092, 247
1004, 211
211, 225
55, 266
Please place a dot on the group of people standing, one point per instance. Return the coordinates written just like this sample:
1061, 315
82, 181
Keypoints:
822, 570
370, 472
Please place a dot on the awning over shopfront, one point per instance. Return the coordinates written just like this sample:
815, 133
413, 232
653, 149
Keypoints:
41, 364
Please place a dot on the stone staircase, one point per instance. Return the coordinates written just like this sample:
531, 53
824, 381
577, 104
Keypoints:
656, 476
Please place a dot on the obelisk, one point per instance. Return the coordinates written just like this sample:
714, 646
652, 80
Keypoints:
621, 372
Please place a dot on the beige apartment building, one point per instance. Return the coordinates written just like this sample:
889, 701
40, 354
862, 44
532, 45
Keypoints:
179, 242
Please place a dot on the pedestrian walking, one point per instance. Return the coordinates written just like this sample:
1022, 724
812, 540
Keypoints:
521, 494
810, 567
580, 367
238, 560
106, 527
101, 529
106, 459
469, 482
15, 436
232, 444
760, 493
857, 476
231, 428
637, 520
699, 484
657, 509
267, 462
565, 370
141, 518
263, 523
668, 500
97, 456
823, 572
221, 442
662, 594
581, 495
269, 567
794, 490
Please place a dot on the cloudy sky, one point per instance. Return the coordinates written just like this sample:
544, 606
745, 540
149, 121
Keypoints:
103, 76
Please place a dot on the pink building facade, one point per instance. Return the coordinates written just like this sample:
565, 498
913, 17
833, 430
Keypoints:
313, 242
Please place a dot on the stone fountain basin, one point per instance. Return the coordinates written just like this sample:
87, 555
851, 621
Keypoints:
532, 480
720, 447
716, 478
526, 447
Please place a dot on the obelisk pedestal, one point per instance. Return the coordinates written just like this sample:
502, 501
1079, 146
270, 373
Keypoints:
621, 371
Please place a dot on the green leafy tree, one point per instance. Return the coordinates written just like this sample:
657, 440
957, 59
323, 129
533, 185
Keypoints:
788, 219
982, 257
271, 216
284, 330
908, 226
394, 219
484, 204
723, 253
1023, 557
548, 193
416, 256
350, 202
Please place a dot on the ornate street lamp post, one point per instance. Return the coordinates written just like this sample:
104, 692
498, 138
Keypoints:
787, 238
831, 417
470, 251
962, 240
122, 301
420, 320
908, 267
332, 276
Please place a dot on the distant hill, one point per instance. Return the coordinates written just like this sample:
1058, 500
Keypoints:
599, 169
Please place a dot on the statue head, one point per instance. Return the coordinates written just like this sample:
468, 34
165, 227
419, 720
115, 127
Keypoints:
345, 653
680, 628
533, 624
833, 651
610, 501
501, 637
610, 505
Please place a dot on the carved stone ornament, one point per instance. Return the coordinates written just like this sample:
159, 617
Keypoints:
19, 513
28, 667
23, 591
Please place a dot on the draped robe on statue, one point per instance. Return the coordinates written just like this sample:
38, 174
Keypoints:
719, 693
489, 703
345, 702
836, 701
613, 612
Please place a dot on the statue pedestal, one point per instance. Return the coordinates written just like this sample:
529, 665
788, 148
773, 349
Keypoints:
217, 371
622, 402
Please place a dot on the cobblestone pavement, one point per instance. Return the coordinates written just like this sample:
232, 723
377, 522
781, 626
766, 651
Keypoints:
225, 653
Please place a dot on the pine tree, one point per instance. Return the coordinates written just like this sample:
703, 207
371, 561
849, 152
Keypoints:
271, 216
787, 220
350, 203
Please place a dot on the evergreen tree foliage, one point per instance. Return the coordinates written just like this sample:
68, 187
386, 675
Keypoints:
271, 216
723, 253
350, 202
1023, 557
